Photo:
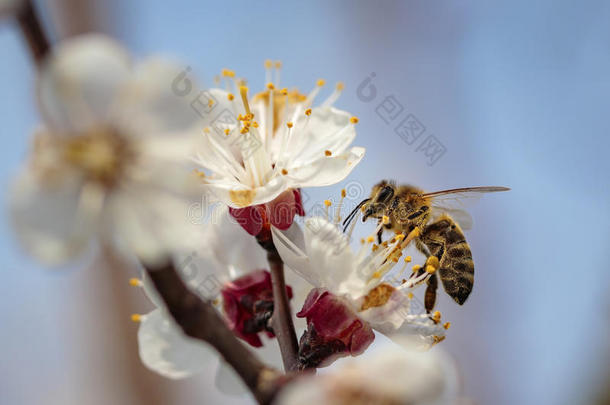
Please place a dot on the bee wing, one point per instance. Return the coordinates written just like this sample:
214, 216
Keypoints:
454, 202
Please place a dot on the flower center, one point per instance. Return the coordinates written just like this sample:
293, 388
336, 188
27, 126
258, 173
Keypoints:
100, 154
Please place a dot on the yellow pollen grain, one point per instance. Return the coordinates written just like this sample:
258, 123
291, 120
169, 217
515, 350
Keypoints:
270, 86
340, 86
385, 219
370, 239
447, 325
354, 120
327, 203
321, 82
308, 112
328, 153
136, 318
284, 172
343, 193
134, 282
289, 124
433, 261
268, 64
408, 259
416, 268
230, 97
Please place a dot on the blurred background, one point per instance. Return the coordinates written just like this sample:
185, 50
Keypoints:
458, 94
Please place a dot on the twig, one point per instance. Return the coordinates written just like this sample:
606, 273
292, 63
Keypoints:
32, 31
283, 325
200, 320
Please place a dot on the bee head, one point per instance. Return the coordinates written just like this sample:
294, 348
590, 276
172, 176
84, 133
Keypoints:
381, 195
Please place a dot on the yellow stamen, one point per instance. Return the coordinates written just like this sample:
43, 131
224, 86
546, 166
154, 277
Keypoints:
136, 318
230, 97
385, 219
343, 193
430, 269
410, 295
436, 316
278, 64
416, 268
206, 130
328, 153
340, 86
374, 248
268, 64
134, 282
327, 203
321, 82
284, 91
270, 86
255, 124
289, 124
447, 325
284, 172
354, 120
308, 112
210, 103
370, 239
243, 90
227, 130
376, 274
408, 259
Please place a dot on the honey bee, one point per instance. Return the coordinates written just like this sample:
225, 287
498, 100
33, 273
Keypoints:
436, 216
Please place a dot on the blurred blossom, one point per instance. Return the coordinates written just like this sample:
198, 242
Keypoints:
109, 162
392, 375
368, 283
256, 149
236, 262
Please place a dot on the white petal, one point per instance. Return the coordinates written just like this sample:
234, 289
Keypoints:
149, 104
165, 349
295, 257
237, 195
80, 80
326, 170
54, 221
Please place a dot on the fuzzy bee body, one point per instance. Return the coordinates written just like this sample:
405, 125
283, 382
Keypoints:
407, 208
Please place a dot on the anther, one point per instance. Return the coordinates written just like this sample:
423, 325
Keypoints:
416, 268
227, 131
308, 112
436, 316
243, 90
270, 86
327, 203
284, 172
321, 82
447, 325
370, 239
340, 86
289, 124
230, 97
385, 219
268, 64
328, 153
343, 193
135, 282
136, 318
354, 120
408, 259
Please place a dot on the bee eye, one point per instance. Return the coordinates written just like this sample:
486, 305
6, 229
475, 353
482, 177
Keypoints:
385, 194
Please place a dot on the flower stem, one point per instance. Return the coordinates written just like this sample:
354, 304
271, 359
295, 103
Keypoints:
32, 31
283, 325
198, 319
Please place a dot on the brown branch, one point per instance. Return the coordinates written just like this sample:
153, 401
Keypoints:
283, 325
200, 320
32, 31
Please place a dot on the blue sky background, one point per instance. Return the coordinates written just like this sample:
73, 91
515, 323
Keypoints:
516, 92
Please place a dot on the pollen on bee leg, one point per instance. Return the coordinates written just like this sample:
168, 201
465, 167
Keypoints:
436, 316
135, 282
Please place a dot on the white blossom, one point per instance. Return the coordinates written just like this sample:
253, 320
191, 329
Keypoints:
109, 164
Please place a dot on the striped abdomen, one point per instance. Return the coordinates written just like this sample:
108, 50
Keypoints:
445, 240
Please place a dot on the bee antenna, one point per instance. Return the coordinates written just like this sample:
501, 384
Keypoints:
352, 214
